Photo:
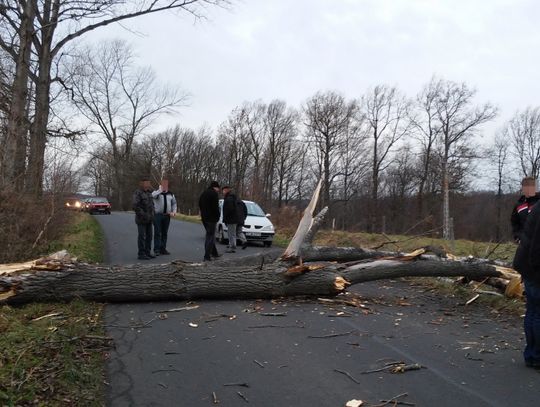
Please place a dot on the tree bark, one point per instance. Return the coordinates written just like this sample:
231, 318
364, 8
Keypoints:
14, 149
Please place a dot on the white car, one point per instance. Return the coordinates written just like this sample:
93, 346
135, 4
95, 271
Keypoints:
257, 226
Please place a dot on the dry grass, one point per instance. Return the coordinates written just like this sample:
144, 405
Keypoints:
83, 239
58, 360
25, 221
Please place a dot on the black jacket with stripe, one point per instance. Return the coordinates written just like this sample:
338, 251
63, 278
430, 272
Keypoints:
520, 212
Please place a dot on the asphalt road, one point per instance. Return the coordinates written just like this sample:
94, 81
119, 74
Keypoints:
471, 355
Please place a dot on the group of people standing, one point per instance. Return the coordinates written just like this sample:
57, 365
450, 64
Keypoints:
234, 215
153, 211
154, 208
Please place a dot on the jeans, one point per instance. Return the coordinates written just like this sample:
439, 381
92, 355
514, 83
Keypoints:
231, 232
161, 229
240, 234
210, 240
144, 238
532, 322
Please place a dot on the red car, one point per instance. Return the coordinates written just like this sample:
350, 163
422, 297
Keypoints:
97, 205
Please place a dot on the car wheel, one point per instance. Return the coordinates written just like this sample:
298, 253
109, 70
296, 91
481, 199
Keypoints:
267, 244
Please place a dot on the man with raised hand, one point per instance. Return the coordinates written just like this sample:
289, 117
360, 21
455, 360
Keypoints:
164, 206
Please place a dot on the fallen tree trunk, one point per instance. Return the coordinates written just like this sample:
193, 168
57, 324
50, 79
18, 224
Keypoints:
303, 270
64, 280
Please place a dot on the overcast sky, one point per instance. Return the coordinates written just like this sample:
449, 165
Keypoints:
289, 49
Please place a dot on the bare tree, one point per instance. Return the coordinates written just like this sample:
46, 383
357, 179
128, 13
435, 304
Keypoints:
48, 26
97, 172
460, 121
524, 131
400, 185
280, 128
232, 145
253, 138
497, 155
426, 129
16, 36
120, 100
328, 118
386, 113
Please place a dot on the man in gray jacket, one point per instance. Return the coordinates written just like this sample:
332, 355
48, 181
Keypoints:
164, 207
144, 216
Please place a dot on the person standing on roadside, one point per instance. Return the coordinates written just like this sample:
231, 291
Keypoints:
241, 213
144, 217
165, 207
209, 207
230, 216
527, 263
523, 207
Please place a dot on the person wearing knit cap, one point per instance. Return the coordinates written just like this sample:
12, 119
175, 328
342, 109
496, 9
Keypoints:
209, 208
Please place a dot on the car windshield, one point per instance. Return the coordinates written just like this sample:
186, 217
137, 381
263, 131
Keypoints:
254, 209
100, 200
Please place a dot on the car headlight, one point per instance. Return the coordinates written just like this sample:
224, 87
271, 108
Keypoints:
77, 204
269, 228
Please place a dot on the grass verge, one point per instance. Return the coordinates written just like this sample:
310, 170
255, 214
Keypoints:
52, 354
83, 239
188, 218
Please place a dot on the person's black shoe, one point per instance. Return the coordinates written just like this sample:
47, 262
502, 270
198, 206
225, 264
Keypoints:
533, 365
156, 254
244, 245
164, 251
143, 257
216, 256
207, 259
151, 256
230, 251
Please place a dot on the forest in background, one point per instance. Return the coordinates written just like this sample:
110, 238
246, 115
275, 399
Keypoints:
390, 162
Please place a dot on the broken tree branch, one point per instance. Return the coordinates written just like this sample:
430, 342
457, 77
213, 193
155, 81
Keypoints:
293, 249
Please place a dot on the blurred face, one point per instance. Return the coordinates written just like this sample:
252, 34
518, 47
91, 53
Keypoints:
226, 191
164, 185
146, 184
529, 189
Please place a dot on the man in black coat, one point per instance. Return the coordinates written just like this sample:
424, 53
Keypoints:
527, 263
523, 207
230, 216
241, 213
143, 206
209, 207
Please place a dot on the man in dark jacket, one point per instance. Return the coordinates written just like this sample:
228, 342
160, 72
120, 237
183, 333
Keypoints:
527, 263
523, 207
209, 207
143, 206
241, 213
230, 217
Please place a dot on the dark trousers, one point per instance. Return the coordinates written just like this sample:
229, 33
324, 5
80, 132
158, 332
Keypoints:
144, 238
532, 322
210, 240
161, 229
